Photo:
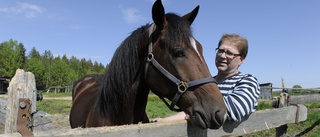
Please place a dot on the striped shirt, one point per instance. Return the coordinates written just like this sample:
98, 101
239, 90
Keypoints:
240, 93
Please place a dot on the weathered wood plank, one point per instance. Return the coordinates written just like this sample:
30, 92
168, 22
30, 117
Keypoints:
22, 85
304, 99
263, 120
258, 121
41, 121
3, 110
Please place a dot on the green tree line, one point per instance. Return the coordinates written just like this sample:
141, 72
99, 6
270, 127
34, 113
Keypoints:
49, 70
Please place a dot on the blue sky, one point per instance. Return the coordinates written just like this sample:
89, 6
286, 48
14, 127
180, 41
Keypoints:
284, 38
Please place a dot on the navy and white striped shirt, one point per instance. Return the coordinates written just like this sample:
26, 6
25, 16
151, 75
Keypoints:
240, 93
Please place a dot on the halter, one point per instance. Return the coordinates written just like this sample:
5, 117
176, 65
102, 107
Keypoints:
182, 86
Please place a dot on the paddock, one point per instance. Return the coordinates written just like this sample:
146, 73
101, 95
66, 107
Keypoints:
288, 109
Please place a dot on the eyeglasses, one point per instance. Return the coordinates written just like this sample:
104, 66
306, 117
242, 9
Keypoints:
228, 53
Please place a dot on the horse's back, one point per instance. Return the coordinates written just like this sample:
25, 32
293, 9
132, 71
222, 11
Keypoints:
84, 94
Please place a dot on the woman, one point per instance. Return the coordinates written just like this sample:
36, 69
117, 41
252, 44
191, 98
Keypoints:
240, 91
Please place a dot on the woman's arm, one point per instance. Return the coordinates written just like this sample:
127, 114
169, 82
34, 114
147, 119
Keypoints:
243, 100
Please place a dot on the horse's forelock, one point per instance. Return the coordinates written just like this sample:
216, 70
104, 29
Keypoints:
177, 29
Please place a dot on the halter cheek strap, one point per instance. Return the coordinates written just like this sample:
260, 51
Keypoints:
182, 86
151, 29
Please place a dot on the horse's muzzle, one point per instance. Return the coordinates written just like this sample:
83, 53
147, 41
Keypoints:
203, 121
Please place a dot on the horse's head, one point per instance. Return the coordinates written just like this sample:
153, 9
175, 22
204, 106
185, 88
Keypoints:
177, 70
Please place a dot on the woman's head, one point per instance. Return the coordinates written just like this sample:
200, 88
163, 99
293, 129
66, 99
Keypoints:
230, 54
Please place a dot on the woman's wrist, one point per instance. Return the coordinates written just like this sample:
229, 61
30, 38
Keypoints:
177, 116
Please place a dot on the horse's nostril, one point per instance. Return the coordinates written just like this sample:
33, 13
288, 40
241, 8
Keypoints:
220, 117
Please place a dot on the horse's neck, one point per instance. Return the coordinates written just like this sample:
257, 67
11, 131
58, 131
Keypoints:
132, 110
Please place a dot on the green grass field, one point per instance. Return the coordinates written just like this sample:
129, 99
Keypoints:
156, 108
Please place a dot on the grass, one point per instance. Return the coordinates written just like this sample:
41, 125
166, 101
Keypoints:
60, 94
156, 108
311, 124
54, 106
262, 105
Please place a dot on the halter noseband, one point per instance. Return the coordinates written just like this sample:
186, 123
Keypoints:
181, 85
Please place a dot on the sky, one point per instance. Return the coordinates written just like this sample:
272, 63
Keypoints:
284, 38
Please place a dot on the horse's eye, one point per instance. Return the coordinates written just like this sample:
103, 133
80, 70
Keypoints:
178, 52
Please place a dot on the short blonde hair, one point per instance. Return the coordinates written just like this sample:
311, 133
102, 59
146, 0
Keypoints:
240, 42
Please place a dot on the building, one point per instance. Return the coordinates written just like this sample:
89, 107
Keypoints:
4, 84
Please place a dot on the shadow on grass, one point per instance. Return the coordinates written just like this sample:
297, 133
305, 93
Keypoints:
309, 128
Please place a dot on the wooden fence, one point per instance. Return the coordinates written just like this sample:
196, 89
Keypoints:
288, 110
59, 88
42, 121
258, 121
18, 112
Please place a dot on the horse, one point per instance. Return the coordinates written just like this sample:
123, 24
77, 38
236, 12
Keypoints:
162, 57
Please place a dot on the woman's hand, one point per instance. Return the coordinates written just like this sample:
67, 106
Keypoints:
177, 116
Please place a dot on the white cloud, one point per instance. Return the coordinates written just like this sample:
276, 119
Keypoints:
25, 9
132, 15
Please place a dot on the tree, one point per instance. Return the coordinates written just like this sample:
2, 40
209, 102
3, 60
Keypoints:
65, 59
47, 59
297, 88
12, 57
75, 66
62, 74
98, 68
34, 54
85, 68
21, 51
48, 70
35, 66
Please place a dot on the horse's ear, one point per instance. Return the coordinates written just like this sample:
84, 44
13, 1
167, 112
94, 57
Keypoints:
192, 15
158, 14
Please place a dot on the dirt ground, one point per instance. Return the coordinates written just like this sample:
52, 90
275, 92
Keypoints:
60, 121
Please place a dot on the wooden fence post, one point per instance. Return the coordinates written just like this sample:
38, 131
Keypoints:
283, 102
22, 85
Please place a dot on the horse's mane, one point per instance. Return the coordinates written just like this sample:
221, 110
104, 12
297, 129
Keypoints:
125, 63
120, 75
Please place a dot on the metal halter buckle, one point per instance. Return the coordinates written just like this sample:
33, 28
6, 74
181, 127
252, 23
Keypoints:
182, 86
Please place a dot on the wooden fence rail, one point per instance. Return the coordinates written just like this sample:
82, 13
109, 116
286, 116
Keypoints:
303, 99
258, 121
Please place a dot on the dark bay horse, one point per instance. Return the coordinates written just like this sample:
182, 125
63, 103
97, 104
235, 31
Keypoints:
163, 57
